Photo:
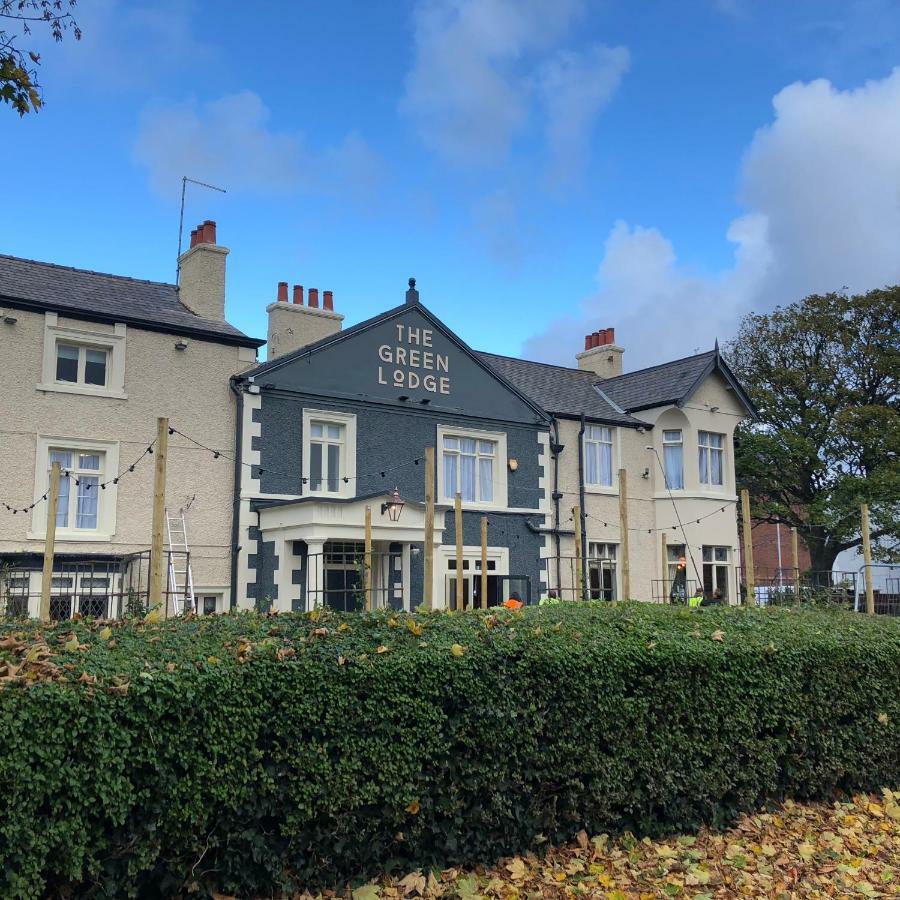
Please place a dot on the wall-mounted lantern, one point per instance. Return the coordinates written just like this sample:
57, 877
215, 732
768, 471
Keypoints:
393, 506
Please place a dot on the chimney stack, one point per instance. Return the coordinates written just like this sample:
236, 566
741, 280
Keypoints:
293, 325
201, 274
601, 354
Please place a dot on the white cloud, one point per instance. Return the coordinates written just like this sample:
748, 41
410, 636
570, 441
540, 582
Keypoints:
574, 87
821, 185
231, 143
472, 83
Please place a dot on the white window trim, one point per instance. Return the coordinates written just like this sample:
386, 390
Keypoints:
113, 342
611, 489
444, 553
499, 469
106, 521
348, 462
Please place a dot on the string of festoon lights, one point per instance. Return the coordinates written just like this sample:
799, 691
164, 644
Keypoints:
257, 469
65, 473
675, 527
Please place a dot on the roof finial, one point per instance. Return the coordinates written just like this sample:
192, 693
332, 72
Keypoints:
412, 295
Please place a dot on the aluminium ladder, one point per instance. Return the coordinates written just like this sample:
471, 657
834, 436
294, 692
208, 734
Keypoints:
181, 576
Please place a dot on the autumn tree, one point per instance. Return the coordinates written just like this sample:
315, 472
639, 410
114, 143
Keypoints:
823, 374
18, 68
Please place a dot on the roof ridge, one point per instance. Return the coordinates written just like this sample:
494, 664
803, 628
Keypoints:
50, 265
662, 365
536, 362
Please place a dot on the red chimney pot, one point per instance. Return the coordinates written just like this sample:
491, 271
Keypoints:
298, 294
194, 238
596, 339
328, 299
611, 335
209, 231
587, 342
314, 298
282, 292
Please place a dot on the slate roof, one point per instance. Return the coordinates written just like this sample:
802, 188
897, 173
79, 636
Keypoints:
572, 392
560, 390
671, 383
154, 305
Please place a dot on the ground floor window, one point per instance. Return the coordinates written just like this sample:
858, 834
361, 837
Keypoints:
208, 604
602, 571
344, 567
715, 572
676, 561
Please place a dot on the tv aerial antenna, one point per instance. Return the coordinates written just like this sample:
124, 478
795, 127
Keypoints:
184, 184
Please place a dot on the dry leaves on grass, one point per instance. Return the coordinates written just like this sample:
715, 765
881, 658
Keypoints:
847, 849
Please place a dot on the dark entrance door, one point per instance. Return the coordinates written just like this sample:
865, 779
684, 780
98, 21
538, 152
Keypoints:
343, 575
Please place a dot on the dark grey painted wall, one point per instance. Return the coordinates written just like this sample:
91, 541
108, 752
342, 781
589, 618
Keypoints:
386, 439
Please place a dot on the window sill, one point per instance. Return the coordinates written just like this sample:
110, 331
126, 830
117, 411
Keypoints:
67, 534
693, 494
606, 489
83, 390
450, 503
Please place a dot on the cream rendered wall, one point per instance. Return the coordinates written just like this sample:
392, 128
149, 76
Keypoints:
649, 504
190, 387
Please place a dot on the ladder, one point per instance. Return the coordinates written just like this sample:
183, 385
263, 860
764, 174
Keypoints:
181, 576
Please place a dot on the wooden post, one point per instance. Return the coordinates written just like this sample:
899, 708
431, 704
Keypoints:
665, 566
157, 563
49, 542
867, 559
459, 552
367, 582
795, 563
623, 540
484, 530
428, 587
749, 574
579, 562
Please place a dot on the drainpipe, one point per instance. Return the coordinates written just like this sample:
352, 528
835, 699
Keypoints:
580, 525
234, 384
556, 498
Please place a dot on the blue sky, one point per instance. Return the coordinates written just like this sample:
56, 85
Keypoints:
543, 169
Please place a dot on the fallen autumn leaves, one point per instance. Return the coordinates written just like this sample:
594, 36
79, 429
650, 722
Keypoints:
847, 849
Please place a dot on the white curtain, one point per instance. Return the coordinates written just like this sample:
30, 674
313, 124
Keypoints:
65, 463
704, 465
674, 461
86, 509
450, 476
605, 464
591, 465
486, 478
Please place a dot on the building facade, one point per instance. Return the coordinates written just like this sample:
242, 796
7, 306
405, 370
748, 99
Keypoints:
335, 420
91, 361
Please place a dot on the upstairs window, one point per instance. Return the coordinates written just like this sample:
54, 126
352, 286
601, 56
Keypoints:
326, 455
329, 453
80, 364
469, 468
711, 457
673, 459
598, 455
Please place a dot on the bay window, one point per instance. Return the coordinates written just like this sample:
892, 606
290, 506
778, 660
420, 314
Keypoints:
598, 455
711, 448
673, 459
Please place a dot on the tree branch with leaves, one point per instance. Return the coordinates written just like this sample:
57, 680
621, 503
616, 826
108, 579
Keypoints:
824, 375
19, 84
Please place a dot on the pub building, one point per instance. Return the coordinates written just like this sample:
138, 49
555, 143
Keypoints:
337, 421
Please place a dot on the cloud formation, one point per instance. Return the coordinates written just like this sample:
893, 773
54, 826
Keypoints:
481, 65
821, 186
230, 142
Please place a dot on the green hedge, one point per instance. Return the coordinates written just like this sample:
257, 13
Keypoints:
252, 754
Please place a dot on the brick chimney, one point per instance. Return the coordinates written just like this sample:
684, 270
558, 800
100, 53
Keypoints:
293, 325
601, 354
202, 274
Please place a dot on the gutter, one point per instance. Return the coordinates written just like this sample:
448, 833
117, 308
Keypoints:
580, 525
233, 383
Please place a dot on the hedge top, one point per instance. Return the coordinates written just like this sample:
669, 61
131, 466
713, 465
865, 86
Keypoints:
91, 653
